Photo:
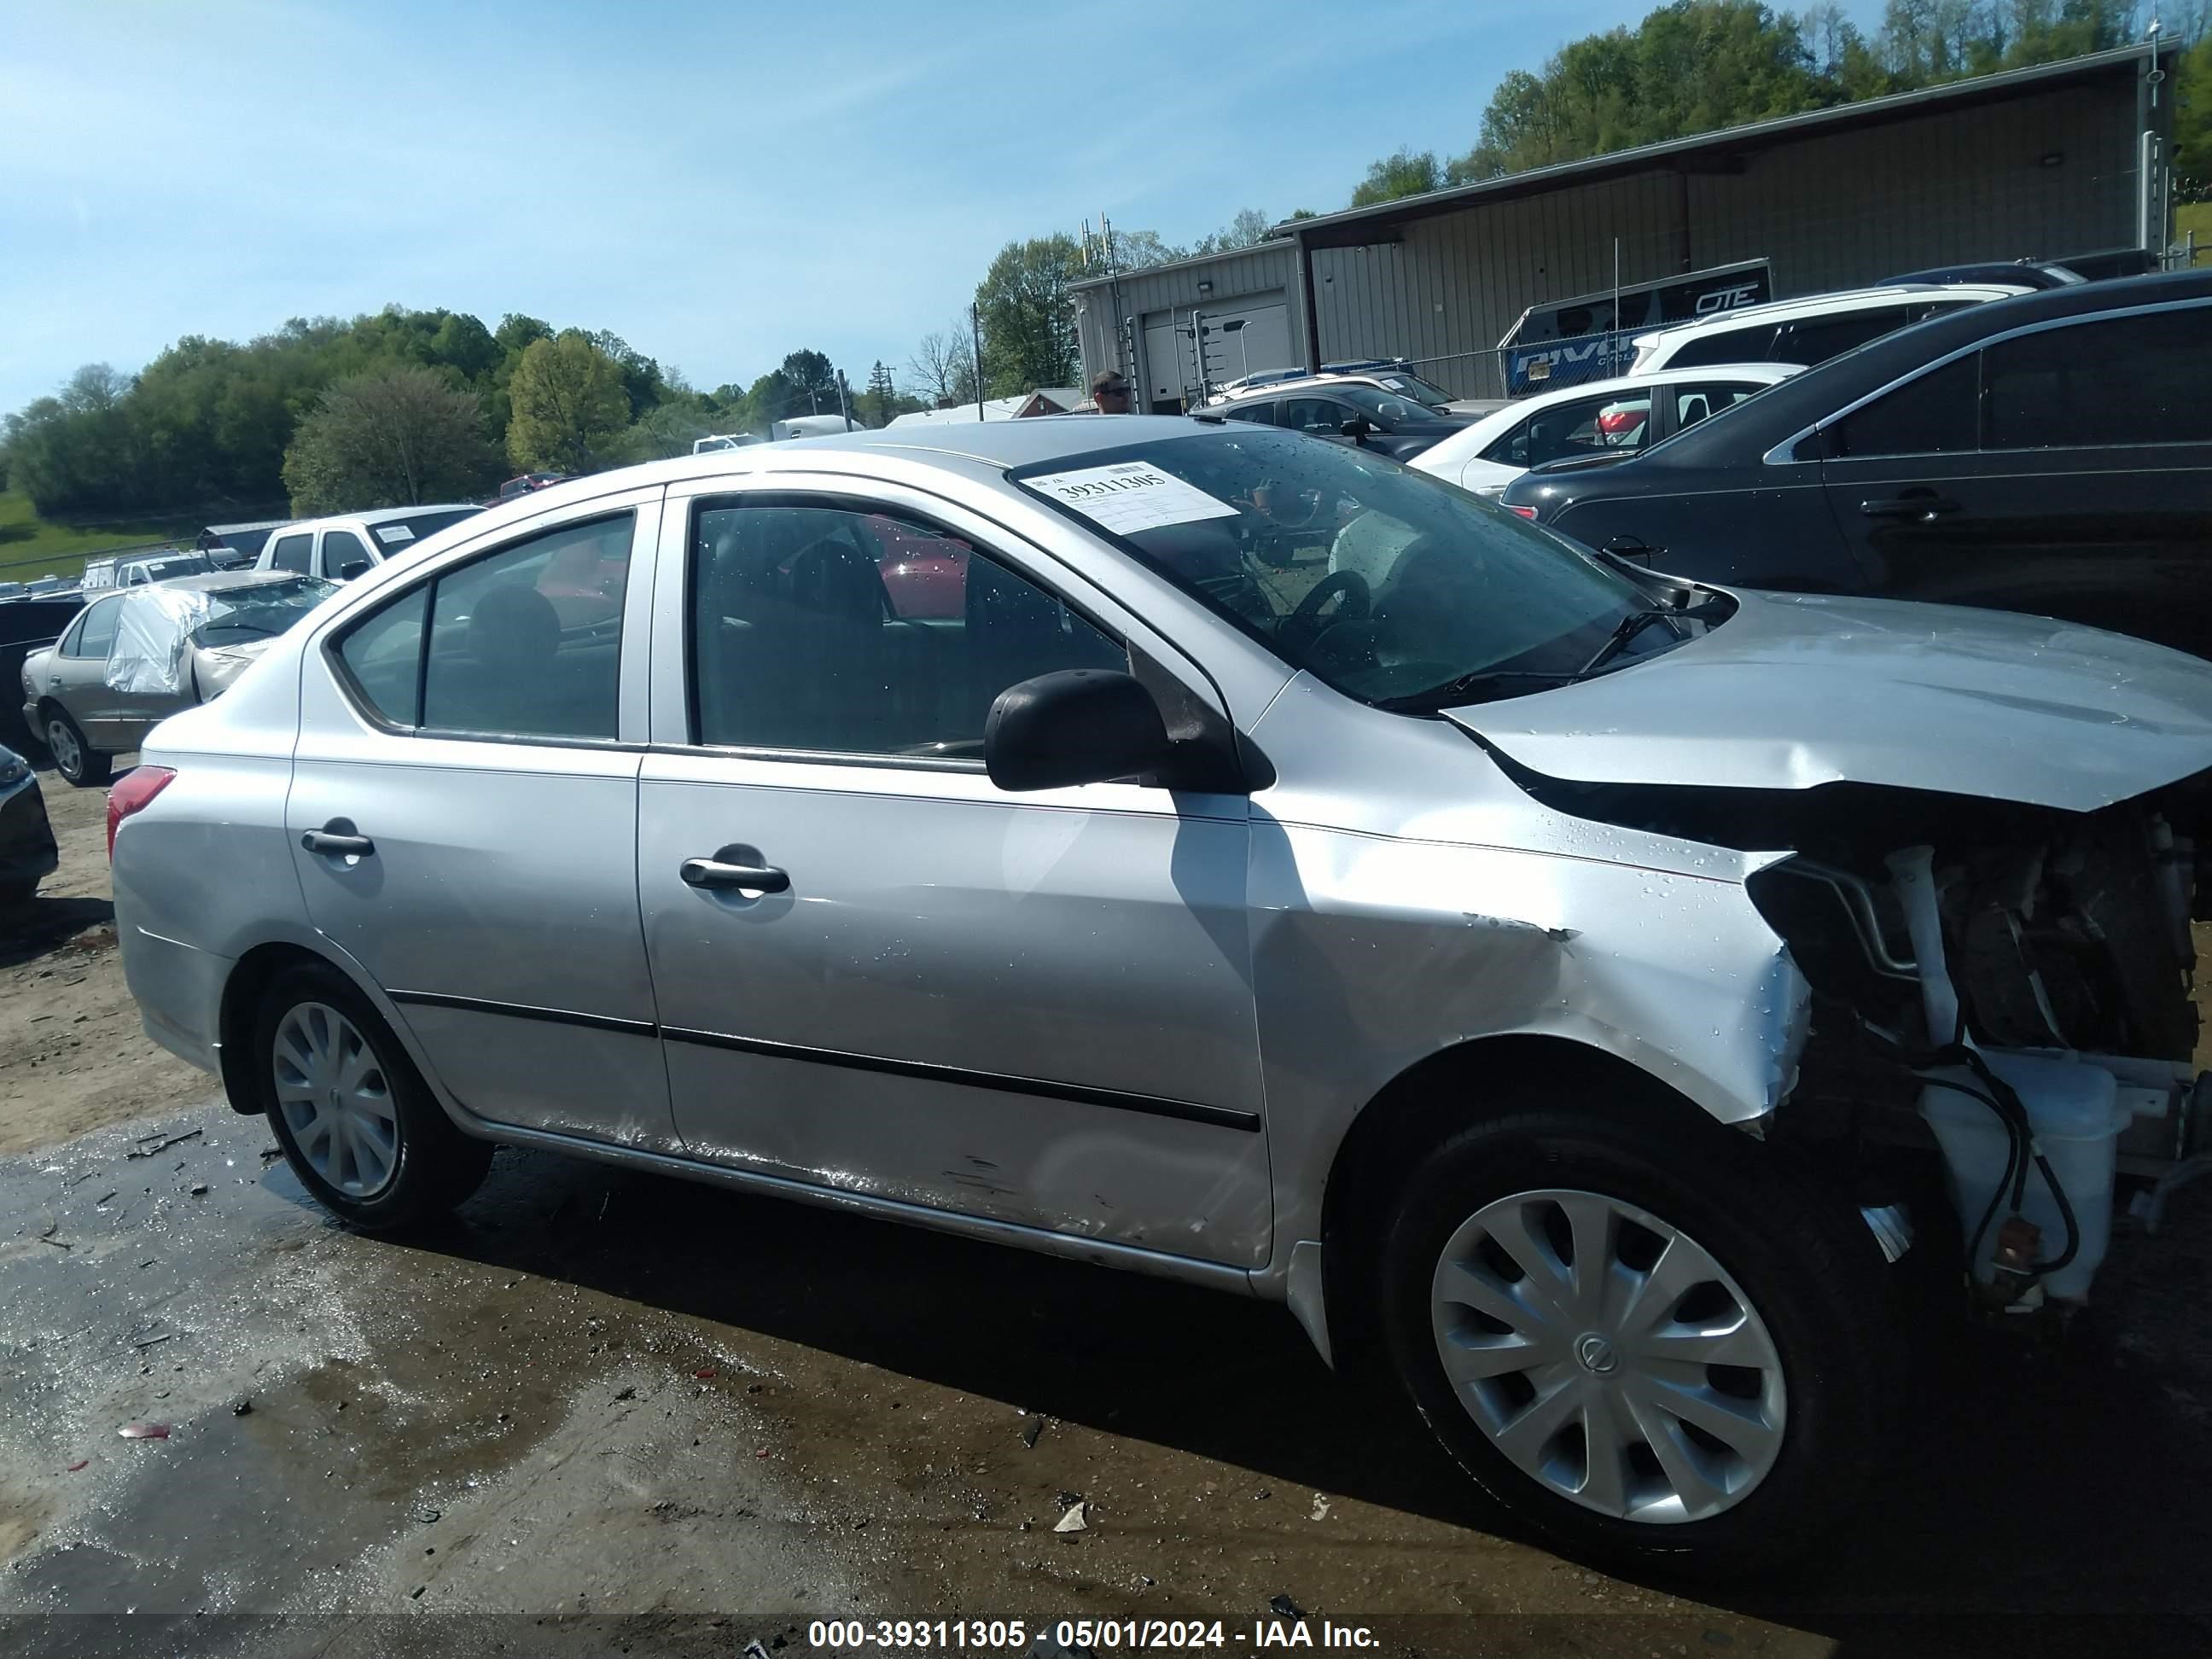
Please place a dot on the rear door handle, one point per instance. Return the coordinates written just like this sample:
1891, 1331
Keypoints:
1923, 508
745, 877
338, 846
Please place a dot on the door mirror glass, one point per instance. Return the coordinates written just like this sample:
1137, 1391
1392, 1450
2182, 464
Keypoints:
1078, 726
352, 569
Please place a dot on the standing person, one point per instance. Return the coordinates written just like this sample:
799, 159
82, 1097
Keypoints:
1109, 393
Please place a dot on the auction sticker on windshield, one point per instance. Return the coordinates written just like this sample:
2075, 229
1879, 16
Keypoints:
394, 532
1130, 496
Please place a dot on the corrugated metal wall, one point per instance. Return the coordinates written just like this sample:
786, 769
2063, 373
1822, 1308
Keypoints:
1236, 277
1835, 210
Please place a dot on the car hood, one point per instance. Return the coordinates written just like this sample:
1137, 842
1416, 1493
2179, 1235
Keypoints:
1797, 690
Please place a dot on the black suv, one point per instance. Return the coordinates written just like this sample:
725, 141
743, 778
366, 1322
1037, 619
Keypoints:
2050, 454
1350, 413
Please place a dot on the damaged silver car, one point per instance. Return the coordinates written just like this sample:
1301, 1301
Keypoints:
132, 659
1592, 996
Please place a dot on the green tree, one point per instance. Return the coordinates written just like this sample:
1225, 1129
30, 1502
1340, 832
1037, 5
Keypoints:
882, 395
2193, 122
1249, 228
1407, 173
396, 436
1028, 318
569, 404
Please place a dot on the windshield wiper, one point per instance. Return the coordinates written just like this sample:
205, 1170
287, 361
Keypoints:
1443, 695
1627, 629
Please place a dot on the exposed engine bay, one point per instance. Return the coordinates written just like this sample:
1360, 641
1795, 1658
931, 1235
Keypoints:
2002, 989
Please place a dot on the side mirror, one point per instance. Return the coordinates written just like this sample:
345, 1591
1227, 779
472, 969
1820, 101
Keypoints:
1078, 726
351, 568
1358, 427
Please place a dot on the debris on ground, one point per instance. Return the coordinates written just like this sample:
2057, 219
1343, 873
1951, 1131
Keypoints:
142, 1151
243, 1408
1321, 1506
145, 1431
1073, 1520
1032, 1430
426, 1515
704, 1373
1284, 1608
153, 1342
80, 1463
625, 1393
197, 1190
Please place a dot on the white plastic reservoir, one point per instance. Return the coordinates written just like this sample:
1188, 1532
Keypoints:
2077, 1114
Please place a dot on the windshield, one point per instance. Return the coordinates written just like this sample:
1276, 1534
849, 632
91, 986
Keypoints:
1413, 386
396, 533
156, 570
1386, 406
1392, 586
237, 614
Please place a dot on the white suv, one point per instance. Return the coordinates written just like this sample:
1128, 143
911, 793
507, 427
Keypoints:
1807, 331
350, 545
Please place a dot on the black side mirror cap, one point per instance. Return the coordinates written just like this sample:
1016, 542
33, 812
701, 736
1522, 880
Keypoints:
1359, 427
351, 568
1078, 726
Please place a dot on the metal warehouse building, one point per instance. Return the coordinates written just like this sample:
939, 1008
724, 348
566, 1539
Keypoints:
2063, 160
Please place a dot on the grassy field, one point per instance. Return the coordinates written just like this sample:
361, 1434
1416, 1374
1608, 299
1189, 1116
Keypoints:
31, 546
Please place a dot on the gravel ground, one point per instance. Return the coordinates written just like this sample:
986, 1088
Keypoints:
596, 1394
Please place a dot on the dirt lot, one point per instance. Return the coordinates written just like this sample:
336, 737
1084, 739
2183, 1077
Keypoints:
72, 1057
598, 1394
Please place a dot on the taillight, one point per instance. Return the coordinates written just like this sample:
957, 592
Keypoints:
1525, 512
134, 791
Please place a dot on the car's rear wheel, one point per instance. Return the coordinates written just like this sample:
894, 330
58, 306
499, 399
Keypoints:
1655, 1346
77, 760
358, 1125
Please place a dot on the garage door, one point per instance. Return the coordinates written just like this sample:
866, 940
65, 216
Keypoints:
1263, 340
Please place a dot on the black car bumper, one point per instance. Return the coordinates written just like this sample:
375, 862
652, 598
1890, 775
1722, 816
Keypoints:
26, 840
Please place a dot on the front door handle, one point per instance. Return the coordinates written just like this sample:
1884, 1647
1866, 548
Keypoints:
745, 877
1926, 508
334, 845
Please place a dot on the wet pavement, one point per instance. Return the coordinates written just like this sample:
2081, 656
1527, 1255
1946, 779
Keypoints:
599, 1393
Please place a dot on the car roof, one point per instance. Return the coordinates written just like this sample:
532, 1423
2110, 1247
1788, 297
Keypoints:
1747, 429
1822, 304
376, 515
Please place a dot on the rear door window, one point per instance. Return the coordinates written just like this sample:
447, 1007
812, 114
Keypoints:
1934, 415
524, 641
1260, 414
2122, 381
291, 553
1753, 344
1816, 339
94, 636
1324, 417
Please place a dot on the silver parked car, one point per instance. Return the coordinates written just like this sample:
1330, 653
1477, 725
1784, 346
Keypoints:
133, 658
1587, 995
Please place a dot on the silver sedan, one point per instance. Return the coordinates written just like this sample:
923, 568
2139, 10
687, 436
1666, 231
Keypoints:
132, 659
1585, 995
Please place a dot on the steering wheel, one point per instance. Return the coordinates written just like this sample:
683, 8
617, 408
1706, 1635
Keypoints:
1355, 600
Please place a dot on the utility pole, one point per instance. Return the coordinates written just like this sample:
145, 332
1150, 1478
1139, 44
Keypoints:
975, 340
844, 401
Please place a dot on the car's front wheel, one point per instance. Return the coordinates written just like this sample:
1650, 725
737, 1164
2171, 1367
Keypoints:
1648, 1340
77, 760
358, 1125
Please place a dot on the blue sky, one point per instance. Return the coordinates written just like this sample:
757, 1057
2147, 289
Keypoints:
720, 184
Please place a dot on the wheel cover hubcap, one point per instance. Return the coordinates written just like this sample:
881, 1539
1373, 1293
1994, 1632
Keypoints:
337, 1099
1608, 1356
63, 741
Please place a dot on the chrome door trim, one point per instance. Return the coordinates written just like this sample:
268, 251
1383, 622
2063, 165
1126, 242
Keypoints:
525, 1011
1780, 455
1070, 1245
1187, 1111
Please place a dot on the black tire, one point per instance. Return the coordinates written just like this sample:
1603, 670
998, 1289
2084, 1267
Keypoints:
1804, 1260
88, 768
434, 1167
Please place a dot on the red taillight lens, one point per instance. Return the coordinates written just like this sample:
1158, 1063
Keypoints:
1525, 512
134, 789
